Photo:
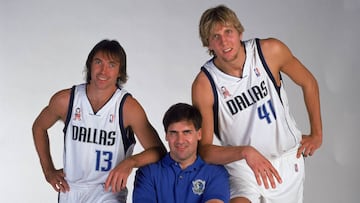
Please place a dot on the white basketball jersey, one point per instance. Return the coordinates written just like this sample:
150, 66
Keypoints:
252, 110
95, 142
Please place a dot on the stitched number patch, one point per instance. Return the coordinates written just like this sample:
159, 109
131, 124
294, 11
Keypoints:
103, 160
266, 110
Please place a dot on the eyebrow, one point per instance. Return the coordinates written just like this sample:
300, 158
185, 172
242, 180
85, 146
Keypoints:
110, 60
175, 131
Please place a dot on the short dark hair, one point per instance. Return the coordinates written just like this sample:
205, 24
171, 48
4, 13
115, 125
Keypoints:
114, 50
182, 112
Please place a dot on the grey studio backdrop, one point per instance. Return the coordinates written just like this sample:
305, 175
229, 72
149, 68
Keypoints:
44, 45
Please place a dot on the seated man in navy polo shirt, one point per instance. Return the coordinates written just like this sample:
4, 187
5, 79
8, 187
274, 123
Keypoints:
182, 176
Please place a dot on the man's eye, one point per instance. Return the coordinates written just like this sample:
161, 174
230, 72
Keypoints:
188, 132
229, 31
112, 65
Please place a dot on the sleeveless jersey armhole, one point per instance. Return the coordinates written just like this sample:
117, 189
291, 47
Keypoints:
71, 102
216, 102
127, 133
267, 69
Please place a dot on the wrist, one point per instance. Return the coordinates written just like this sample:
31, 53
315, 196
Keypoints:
131, 162
244, 151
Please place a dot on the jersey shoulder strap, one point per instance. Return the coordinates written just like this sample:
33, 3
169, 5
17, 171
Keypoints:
70, 107
126, 133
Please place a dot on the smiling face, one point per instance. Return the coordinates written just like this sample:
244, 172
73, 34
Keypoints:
105, 70
183, 138
225, 42
107, 50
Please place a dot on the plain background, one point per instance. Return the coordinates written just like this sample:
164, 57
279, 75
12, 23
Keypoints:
44, 45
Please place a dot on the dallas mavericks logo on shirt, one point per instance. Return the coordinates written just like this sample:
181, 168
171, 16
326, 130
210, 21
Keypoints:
198, 186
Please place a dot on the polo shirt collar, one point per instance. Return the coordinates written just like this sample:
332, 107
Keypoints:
168, 161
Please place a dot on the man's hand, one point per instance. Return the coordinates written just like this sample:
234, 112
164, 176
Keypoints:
309, 144
262, 168
117, 178
56, 178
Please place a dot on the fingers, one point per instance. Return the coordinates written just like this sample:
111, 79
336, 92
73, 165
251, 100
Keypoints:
305, 150
268, 176
263, 170
300, 151
61, 186
309, 144
56, 178
123, 184
108, 182
56, 187
116, 183
265, 179
277, 176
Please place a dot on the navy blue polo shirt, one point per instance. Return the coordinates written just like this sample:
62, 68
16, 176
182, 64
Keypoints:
165, 182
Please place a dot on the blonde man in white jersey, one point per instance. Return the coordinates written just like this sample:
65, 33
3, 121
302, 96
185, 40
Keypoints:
100, 120
240, 95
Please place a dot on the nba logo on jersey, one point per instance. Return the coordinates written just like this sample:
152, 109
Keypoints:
111, 118
257, 72
296, 168
77, 114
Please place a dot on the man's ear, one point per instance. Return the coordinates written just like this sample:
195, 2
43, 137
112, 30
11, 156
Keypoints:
199, 134
240, 36
166, 137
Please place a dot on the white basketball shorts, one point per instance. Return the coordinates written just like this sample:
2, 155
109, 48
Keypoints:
93, 194
292, 172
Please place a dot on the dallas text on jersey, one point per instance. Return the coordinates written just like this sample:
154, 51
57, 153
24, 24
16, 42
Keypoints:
247, 98
93, 135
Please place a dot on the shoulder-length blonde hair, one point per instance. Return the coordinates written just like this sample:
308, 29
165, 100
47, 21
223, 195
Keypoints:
211, 17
